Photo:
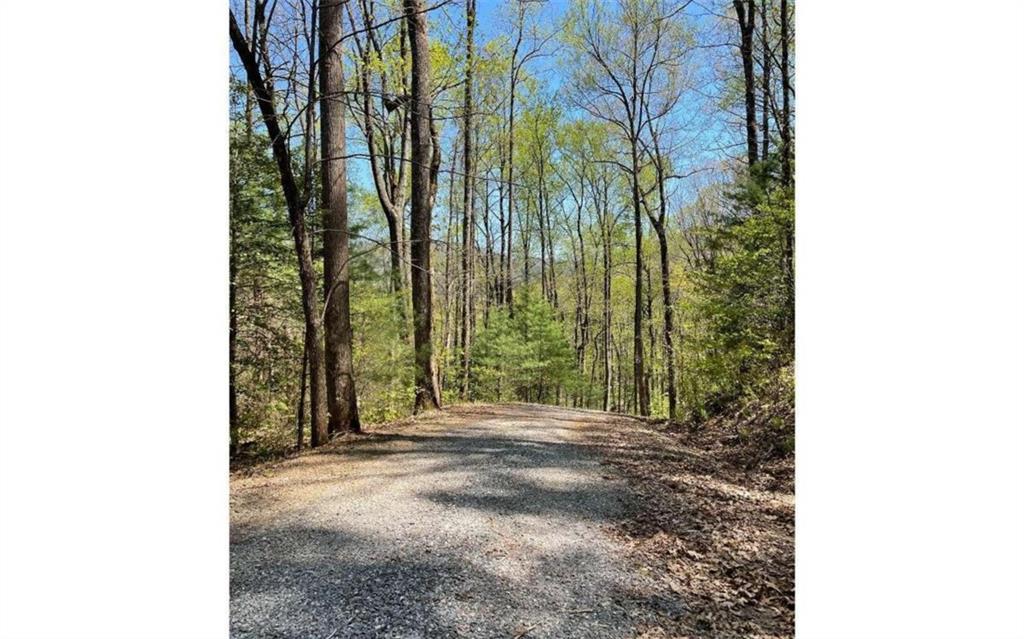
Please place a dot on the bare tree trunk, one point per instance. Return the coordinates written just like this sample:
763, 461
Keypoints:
787, 176
489, 277
578, 330
606, 241
617, 384
248, 91
300, 412
233, 416
387, 173
545, 292
501, 230
650, 369
553, 286
388, 179
787, 168
641, 394
450, 331
341, 388
233, 339
766, 76
425, 388
658, 222
296, 210
405, 160
468, 220
666, 299
584, 288
513, 77
745, 14
524, 237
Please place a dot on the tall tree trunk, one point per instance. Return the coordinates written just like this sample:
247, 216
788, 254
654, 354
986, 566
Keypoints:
524, 237
650, 369
468, 220
296, 216
406, 159
233, 337
658, 222
545, 292
641, 394
745, 14
450, 331
388, 175
606, 296
766, 77
552, 287
341, 388
300, 412
248, 91
425, 389
500, 284
513, 77
666, 300
787, 150
489, 277
235, 422
584, 288
787, 176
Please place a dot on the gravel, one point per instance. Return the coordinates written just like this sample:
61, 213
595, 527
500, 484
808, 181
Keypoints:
481, 521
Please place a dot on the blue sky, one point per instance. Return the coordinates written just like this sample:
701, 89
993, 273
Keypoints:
709, 143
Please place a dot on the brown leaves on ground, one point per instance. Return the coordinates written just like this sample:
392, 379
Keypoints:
714, 523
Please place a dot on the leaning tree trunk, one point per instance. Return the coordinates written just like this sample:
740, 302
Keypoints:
296, 209
425, 388
341, 388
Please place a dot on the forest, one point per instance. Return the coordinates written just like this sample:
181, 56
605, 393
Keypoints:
498, 301
585, 203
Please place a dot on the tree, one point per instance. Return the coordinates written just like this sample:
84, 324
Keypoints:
594, 170
665, 37
423, 151
264, 92
787, 171
658, 221
766, 76
513, 78
524, 356
619, 60
468, 220
736, 310
341, 388
587, 148
745, 16
787, 150
386, 130
519, 59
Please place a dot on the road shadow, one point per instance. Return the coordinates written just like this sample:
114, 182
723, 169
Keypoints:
312, 582
306, 572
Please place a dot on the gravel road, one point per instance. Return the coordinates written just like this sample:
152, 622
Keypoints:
482, 521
